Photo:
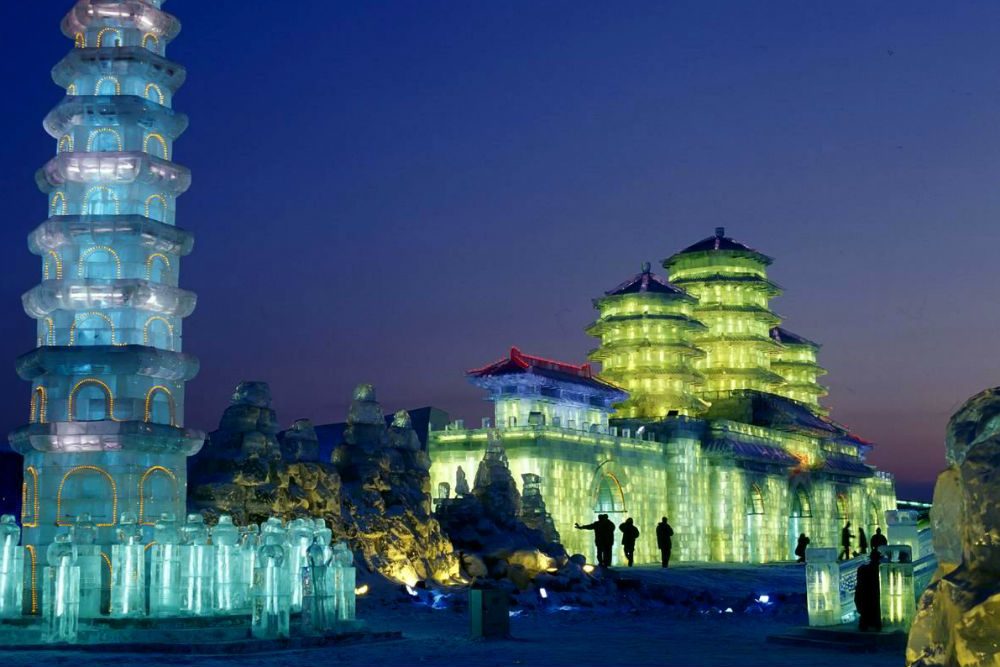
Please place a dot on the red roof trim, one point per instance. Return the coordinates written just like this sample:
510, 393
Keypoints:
526, 361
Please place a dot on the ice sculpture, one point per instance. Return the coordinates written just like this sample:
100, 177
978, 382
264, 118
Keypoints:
300, 537
128, 570
197, 567
89, 560
11, 568
106, 430
165, 568
229, 590
249, 543
344, 578
958, 616
61, 602
271, 585
319, 604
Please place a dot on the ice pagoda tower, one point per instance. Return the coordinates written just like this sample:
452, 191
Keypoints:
646, 329
729, 280
106, 432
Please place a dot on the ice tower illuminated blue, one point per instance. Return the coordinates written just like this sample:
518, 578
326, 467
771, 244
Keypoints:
106, 431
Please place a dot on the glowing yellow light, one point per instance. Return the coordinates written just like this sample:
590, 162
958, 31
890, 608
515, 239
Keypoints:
58, 263
105, 31
170, 400
85, 255
150, 37
34, 577
58, 206
83, 317
109, 399
142, 495
71, 89
158, 138
153, 88
39, 405
108, 79
154, 198
588, 568
33, 475
157, 318
149, 263
80, 41
92, 139
114, 496
361, 590
65, 144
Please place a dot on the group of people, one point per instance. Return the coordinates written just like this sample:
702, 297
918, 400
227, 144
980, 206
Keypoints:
604, 539
878, 540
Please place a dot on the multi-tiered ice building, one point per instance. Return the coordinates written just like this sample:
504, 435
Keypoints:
106, 433
705, 411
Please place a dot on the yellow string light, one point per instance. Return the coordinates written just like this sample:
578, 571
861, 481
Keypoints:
114, 495
104, 130
39, 409
152, 198
33, 474
105, 79
157, 318
150, 37
34, 578
71, 89
170, 400
59, 205
142, 497
65, 144
85, 255
109, 399
80, 41
103, 32
151, 259
156, 136
83, 317
154, 88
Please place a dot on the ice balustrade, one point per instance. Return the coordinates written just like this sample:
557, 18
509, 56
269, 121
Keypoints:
904, 572
192, 571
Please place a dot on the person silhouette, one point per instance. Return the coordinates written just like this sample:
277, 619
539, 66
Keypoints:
862, 541
629, 535
664, 543
604, 538
845, 542
800, 548
878, 539
866, 595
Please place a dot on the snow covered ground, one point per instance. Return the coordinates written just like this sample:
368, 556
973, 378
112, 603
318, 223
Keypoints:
672, 617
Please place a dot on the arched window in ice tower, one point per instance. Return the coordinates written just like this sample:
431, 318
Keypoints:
755, 500
155, 144
39, 406
87, 489
52, 266
160, 408
92, 329
156, 207
610, 498
58, 204
100, 262
101, 200
90, 400
65, 144
29, 498
842, 506
108, 85
154, 93
157, 491
157, 267
109, 37
80, 41
105, 140
151, 42
158, 332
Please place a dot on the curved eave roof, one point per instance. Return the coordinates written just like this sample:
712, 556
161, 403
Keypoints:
111, 111
107, 359
139, 13
62, 230
113, 169
786, 337
719, 243
120, 61
771, 288
688, 323
648, 282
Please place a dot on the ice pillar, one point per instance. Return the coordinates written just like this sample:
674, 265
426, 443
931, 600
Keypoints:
344, 579
88, 559
271, 584
197, 568
165, 568
128, 570
11, 568
300, 537
61, 601
228, 566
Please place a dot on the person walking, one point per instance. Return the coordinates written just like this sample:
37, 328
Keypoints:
845, 542
664, 543
800, 548
878, 540
629, 535
604, 538
862, 541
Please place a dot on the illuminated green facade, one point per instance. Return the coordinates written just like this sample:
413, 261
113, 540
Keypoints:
716, 421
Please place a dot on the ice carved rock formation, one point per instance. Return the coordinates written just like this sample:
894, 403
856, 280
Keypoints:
958, 619
386, 496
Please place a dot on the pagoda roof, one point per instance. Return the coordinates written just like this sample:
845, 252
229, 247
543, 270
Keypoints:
647, 282
786, 337
519, 363
753, 451
719, 242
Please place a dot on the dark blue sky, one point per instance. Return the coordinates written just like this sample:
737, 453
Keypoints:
395, 192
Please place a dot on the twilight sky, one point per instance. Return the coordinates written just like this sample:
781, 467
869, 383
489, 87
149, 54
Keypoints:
396, 192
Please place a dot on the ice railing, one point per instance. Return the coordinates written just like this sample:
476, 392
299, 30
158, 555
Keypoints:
905, 571
457, 431
265, 573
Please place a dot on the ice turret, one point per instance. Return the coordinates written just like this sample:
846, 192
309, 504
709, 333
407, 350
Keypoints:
106, 433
